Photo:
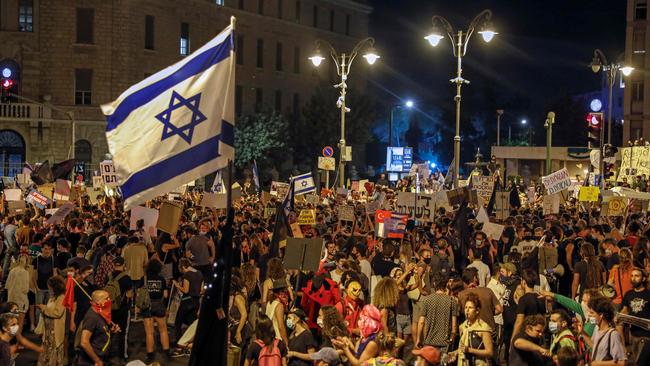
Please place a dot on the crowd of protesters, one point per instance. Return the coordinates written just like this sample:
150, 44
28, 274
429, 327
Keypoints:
563, 289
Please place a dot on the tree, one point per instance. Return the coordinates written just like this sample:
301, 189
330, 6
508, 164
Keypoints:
258, 135
413, 136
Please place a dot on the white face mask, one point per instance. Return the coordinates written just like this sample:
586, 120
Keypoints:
592, 320
13, 330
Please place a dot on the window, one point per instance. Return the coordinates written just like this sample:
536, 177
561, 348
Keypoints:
296, 105
83, 86
641, 10
240, 49
83, 152
260, 7
219, 2
26, 16
637, 91
296, 60
331, 20
238, 100
241, 4
259, 100
278, 101
278, 56
298, 10
280, 8
185, 39
315, 17
260, 53
149, 32
347, 25
85, 23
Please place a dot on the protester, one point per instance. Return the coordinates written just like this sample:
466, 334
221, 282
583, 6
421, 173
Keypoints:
54, 324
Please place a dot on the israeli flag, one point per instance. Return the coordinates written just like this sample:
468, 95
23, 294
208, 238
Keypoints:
303, 183
176, 125
217, 186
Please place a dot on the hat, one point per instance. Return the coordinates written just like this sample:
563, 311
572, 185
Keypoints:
326, 354
280, 284
510, 267
431, 354
118, 261
299, 313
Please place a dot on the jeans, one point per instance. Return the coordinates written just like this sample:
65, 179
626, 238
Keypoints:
41, 298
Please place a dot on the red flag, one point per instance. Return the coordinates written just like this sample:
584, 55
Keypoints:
68, 299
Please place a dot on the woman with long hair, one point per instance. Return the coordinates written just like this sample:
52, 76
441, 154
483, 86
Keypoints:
54, 331
157, 288
240, 330
265, 343
475, 336
620, 276
367, 346
385, 299
275, 272
589, 272
331, 324
387, 348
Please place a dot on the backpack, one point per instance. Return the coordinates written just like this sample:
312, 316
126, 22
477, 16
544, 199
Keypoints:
142, 298
581, 348
113, 289
269, 355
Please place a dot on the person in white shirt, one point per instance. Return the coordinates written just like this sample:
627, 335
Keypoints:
360, 252
482, 268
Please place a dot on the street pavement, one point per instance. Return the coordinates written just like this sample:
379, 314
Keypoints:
137, 349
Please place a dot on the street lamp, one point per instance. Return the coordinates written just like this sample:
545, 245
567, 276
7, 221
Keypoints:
343, 63
550, 120
460, 40
499, 114
610, 69
408, 104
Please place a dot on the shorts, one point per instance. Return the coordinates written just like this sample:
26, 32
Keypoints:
403, 323
417, 310
31, 297
156, 310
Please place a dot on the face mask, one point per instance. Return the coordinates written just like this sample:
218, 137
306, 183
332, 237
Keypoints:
553, 327
503, 278
104, 310
427, 260
592, 320
320, 323
478, 242
203, 232
608, 252
290, 324
13, 330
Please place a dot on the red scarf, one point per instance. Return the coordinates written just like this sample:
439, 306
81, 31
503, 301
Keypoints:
104, 311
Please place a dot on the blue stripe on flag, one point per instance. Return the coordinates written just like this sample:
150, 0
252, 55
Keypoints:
198, 64
178, 164
302, 176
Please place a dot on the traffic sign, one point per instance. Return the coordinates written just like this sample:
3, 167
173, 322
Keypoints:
328, 151
326, 163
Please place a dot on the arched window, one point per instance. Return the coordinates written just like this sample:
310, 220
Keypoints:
12, 153
83, 151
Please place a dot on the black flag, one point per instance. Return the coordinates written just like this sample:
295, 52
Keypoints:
42, 174
63, 169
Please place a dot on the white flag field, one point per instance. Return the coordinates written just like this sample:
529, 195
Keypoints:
175, 126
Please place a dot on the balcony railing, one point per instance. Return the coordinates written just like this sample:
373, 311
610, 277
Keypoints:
20, 110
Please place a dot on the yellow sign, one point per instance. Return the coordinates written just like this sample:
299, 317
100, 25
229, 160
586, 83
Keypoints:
588, 194
307, 217
616, 206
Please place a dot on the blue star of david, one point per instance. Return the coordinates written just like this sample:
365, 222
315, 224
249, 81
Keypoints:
186, 131
304, 183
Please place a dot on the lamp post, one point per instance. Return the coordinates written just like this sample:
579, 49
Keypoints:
550, 120
409, 104
343, 63
610, 69
499, 114
460, 40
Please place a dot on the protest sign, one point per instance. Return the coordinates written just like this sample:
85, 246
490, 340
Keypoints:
93, 195
341, 194
62, 190
635, 161
493, 230
50, 211
307, 217
362, 186
456, 196
440, 200
483, 184
312, 199
16, 207
482, 215
236, 191
297, 233
588, 194
557, 181
326, 163
279, 189
61, 213
373, 206
502, 205
266, 197
303, 254
107, 171
149, 215
169, 216
346, 213
97, 182
551, 204
23, 180
37, 199
423, 209
268, 212
616, 206
13, 194
214, 200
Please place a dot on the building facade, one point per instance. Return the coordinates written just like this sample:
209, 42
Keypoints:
636, 105
61, 59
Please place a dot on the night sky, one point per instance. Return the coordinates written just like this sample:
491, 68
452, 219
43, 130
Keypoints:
542, 52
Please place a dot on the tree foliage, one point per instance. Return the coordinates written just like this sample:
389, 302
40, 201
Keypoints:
258, 135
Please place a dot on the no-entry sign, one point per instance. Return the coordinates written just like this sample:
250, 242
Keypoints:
328, 151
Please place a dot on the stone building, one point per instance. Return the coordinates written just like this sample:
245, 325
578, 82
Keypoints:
61, 59
636, 106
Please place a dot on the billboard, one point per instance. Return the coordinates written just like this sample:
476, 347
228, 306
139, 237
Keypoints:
399, 159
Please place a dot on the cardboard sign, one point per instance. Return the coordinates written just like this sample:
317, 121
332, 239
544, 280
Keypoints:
279, 189
93, 195
423, 209
108, 174
50, 211
616, 206
557, 181
373, 206
312, 199
169, 216
149, 215
588, 194
341, 194
98, 181
456, 196
13, 194
61, 213
307, 217
326, 163
38, 199
346, 213
551, 204
303, 254
17, 207
268, 212
502, 205
295, 229
214, 200
493, 230
265, 198
484, 185
482, 215
634, 161
62, 190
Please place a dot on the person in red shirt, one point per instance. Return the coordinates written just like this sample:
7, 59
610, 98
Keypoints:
350, 306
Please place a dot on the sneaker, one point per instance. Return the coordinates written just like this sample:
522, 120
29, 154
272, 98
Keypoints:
150, 358
178, 352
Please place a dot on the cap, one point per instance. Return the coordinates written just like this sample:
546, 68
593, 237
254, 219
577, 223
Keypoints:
280, 284
431, 354
328, 355
510, 267
118, 261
